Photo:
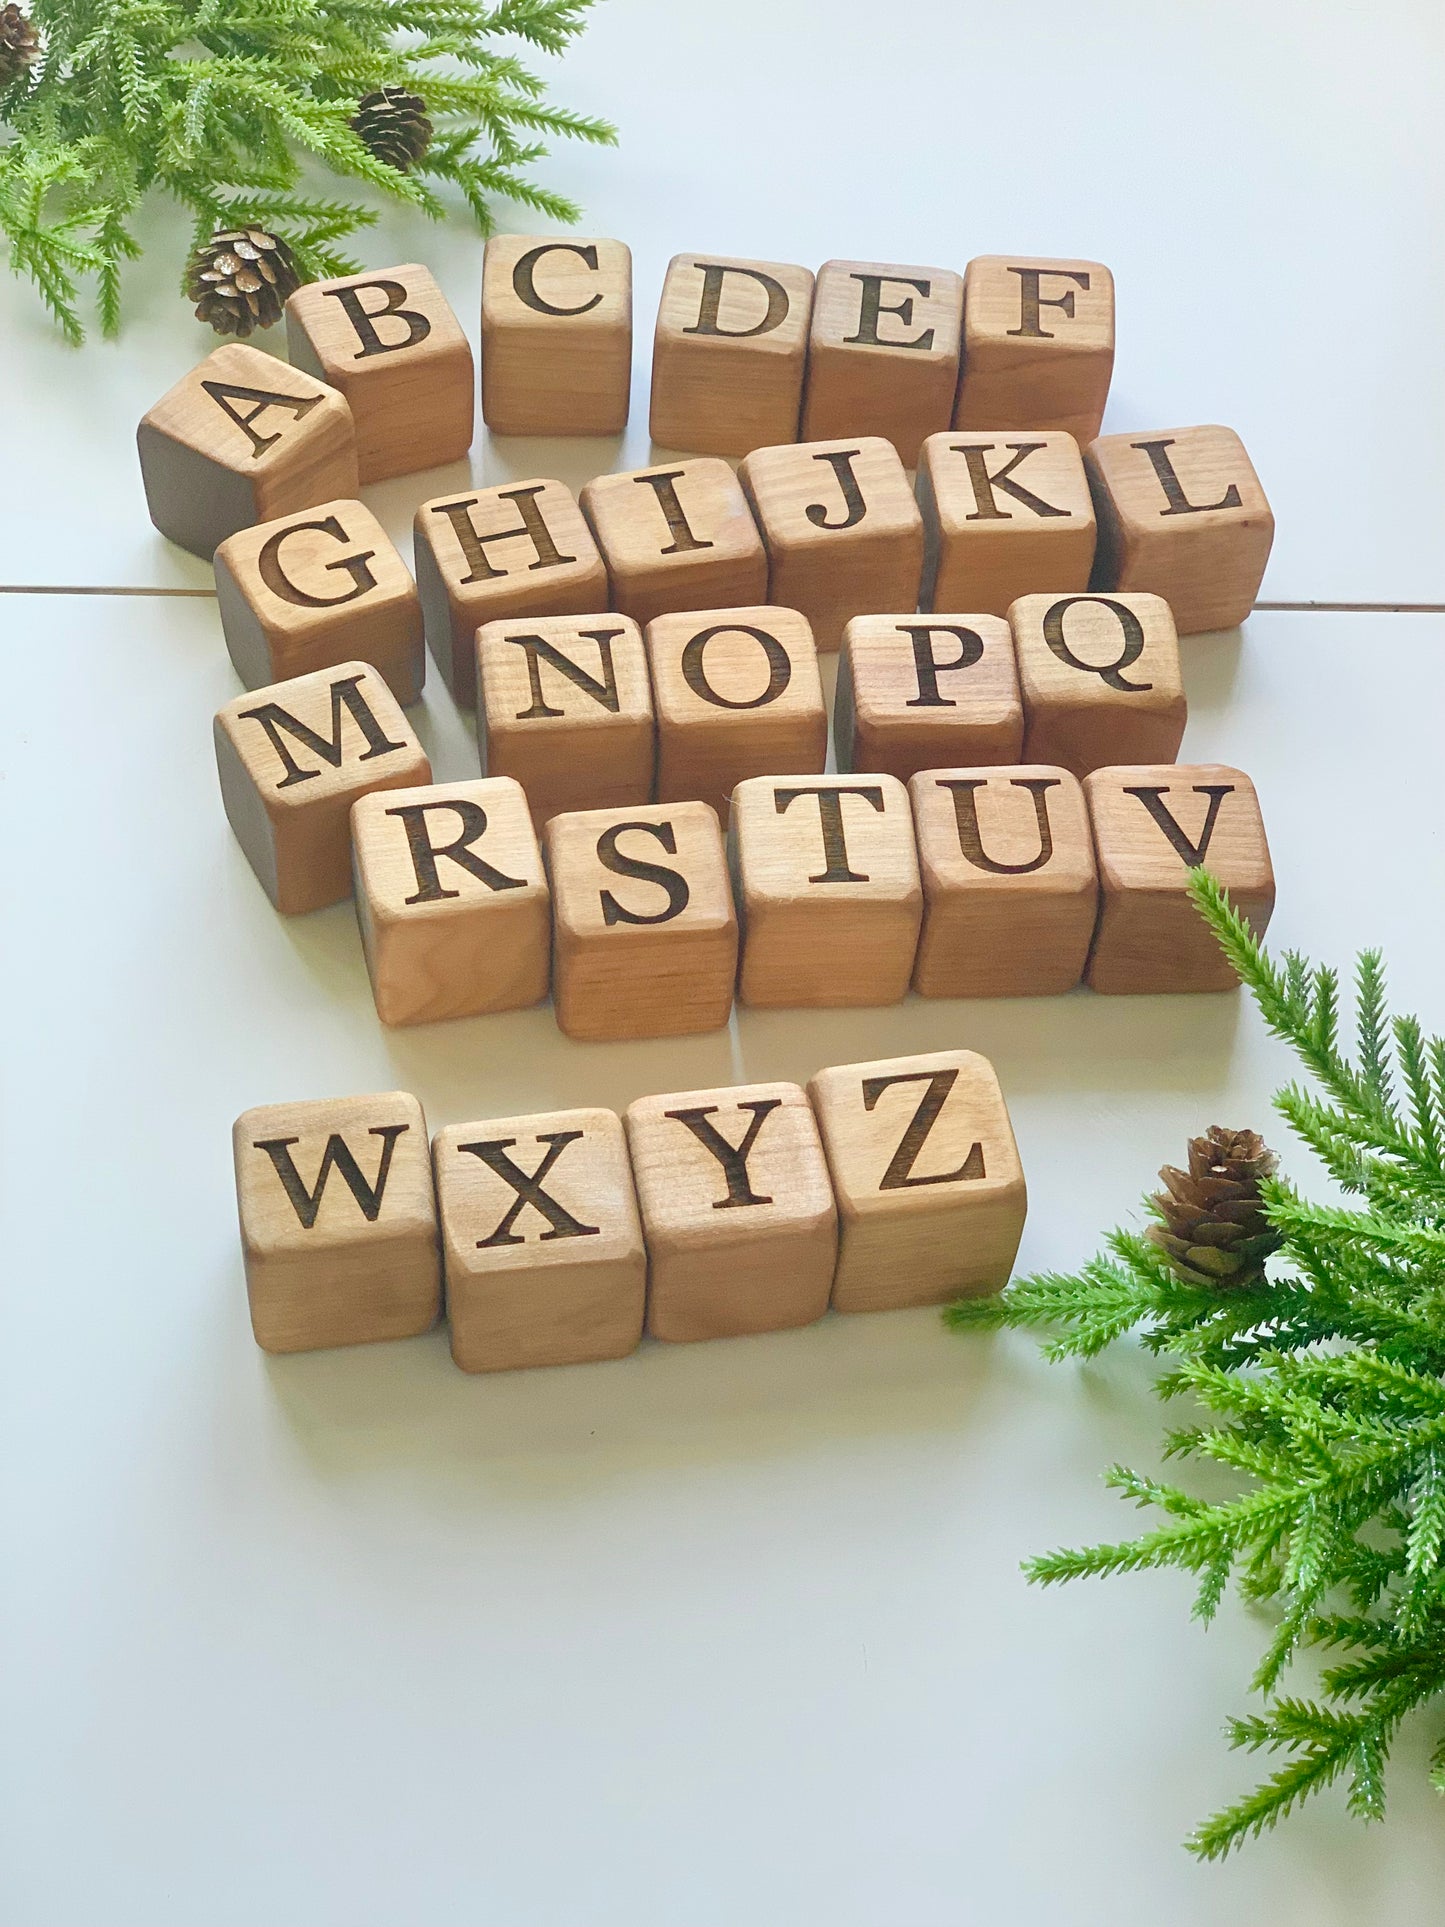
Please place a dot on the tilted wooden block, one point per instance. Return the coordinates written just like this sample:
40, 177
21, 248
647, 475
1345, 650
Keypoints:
1038, 345
315, 588
883, 353
1101, 679
645, 938
1182, 513
1004, 516
737, 1210
388, 341
677, 537
242, 438
914, 692
338, 1221
926, 1174
492, 554
1010, 891
1152, 825
453, 905
729, 353
540, 1239
556, 335
828, 894
293, 759
843, 531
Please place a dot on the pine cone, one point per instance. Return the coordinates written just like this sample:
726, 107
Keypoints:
394, 125
1212, 1224
240, 280
19, 44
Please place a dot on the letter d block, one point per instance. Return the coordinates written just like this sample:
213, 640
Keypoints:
338, 1221
677, 538
1101, 680
556, 336
1006, 516
883, 353
915, 692
729, 354
1038, 345
930, 1191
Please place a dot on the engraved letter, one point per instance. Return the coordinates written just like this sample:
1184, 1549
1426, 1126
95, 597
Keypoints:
927, 666
493, 1153
841, 460
539, 650
1152, 797
1179, 502
780, 669
222, 392
424, 852
1030, 300
1109, 672
871, 307
671, 881
986, 508
663, 486
474, 545
830, 816
734, 1161
273, 719
273, 574
965, 810
306, 1204
364, 320
898, 1175
707, 323
525, 286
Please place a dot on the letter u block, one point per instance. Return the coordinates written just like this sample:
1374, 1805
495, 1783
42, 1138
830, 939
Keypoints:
1005, 516
556, 336
1101, 680
1038, 345
914, 692
729, 353
883, 353
679, 537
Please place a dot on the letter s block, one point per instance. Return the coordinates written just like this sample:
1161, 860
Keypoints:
556, 336
1101, 679
883, 353
1038, 345
729, 353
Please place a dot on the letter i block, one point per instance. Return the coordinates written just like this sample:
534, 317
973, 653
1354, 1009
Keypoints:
1152, 826
737, 1210
338, 1221
242, 438
883, 353
556, 336
913, 693
930, 1191
1038, 345
828, 890
729, 353
452, 901
677, 538
646, 940
1010, 892
389, 342
541, 1241
842, 529
293, 759
1101, 680
1005, 516
1182, 513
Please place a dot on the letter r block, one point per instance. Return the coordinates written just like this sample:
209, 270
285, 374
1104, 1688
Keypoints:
678, 537
1101, 679
556, 335
1006, 515
883, 353
917, 691
729, 353
1038, 345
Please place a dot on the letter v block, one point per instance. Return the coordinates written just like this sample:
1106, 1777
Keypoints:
338, 1221
729, 353
1005, 516
678, 537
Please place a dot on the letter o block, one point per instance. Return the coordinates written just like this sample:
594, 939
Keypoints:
914, 692
1101, 680
677, 538
556, 336
729, 353
1038, 345
883, 353
1006, 516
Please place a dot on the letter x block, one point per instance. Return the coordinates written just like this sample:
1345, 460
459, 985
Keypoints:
1005, 516
729, 353
1101, 680
556, 336
930, 1191
883, 353
917, 691
679, 537
737, 1210
1038, 345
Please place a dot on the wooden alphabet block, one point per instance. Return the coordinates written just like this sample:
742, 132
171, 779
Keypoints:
1004, 516
540, 1240
1101, 679
915, 692
729, 353
883, 353
678, 537
842, 529
389, 342
556, 335
738, 694
1152, 826
1182, 513
1038, 345
645, 938
242, 438
826, 875
293, 759
1010, 892
492, 554
565, 707
926, 1173
737, 1210
453, 905
315, 588
338, 1221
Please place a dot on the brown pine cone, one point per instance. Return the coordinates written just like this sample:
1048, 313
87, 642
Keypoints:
1212, 1225
19, 44
394, 125
240, 279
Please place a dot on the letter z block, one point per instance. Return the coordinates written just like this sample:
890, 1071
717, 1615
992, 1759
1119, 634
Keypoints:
1038, 345
1101, 680
916, 692
729, 353
677, 538
1005, 516
883, 353
556, 336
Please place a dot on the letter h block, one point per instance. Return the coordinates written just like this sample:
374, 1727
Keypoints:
556, 336
1005, 516
679, 537
1038, 345
729, 354
917, 691
883, 353
1101, 680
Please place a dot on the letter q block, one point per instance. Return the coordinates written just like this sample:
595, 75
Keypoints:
1101, 679
729, 353
556, 336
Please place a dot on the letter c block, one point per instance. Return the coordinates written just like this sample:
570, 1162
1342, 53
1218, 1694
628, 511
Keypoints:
556, 335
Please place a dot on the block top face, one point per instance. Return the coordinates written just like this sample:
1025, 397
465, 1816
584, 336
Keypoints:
529, 280
734, 1161
357, 320
1029, 302
989, 484
680, 511
807, 493
875, 307
629, 872
1154, 822
514, 530
1185, 478
551, 673
445, 847
724, 665
1015, 827
1094, 651
839, 837
247, 410
327, 557
336, 733
714, 301
336, 1171
920, 667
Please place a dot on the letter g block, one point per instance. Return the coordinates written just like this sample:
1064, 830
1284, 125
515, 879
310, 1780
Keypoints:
556, 335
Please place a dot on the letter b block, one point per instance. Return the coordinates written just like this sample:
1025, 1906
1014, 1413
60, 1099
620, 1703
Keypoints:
556, 336
883, 353
1101, 679
1038, 345
677, 538
729, 353
1006, 516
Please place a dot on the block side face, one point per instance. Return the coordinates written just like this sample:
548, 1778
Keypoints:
249, 819
193, 501
345, 1294
767, 1282
977, 943
809, 954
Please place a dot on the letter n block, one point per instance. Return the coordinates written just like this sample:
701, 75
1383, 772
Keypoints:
930, 1191
729, 354
1038, 345
338, 1221
1005, 516
679, 537
556, 336
914, 692
1101, 679
883, 353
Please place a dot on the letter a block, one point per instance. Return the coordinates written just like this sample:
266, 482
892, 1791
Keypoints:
1101, 680
293, 759
729, 353
737, 1210
556, 336
1152, 826
883, 353
677, 538
541, 1241
914, 692
338, 1221
1006, 516
242, 438
1038, 345
930, 1191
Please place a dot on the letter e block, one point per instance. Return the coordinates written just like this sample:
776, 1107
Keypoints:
677, 538
1005, 516
883, 353
556, 336
1038, 345
915, 692
728, 354
1101, 680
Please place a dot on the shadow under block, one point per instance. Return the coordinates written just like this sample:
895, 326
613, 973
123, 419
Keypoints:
826, 878
1181, 513
883, 352
565, 706
293, 759
491, 554
737, 1210
391, 345
1152, 825
914, 692
1038, 345
556, 335
926, 1175
541, 1241
738, 694
645, 939
729, 353
242, 438
842, 529
452, 900
1010, 892
1004, 516
678, 537
338, 1221
1100, 678
316, 588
